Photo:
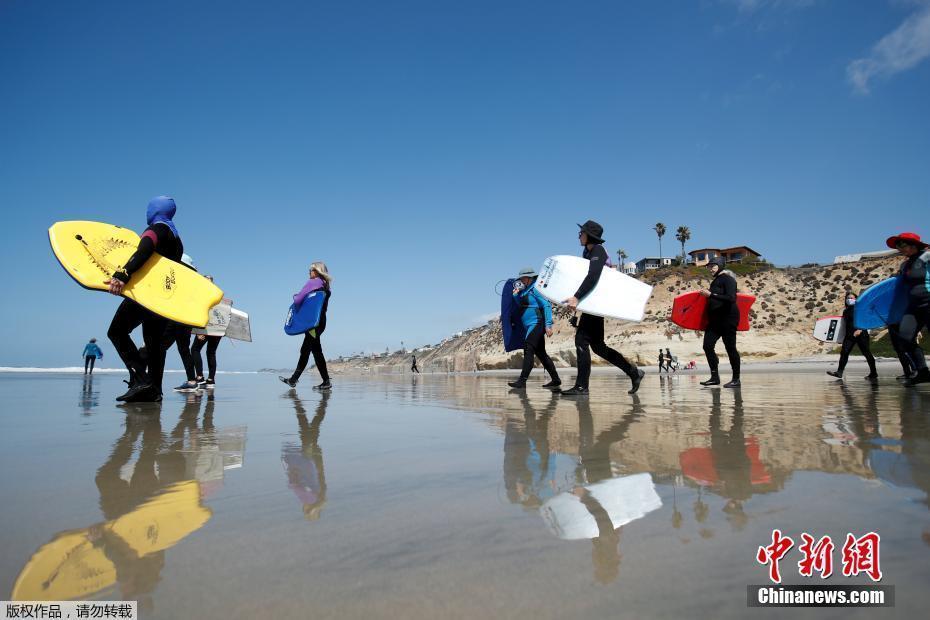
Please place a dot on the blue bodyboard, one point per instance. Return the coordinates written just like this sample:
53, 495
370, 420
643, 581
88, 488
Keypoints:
511, 325
881, 304
301, 319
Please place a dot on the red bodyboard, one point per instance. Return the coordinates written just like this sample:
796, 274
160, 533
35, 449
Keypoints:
689, 310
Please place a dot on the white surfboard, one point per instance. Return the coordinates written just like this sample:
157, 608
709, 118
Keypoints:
218, 321
239, 327
616, 295
830, 329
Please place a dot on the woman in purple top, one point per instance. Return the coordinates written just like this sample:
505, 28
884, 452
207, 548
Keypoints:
319, 280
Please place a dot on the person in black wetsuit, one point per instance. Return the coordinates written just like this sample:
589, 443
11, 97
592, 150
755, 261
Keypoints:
413, 365
851, 338
590, 328
723, 318
915, 273
319, 280
661, 360
162, 237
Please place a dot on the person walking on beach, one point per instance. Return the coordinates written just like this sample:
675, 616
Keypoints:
413, 364
180, 335
319, 280
915, 273
853, 337
91, 354
589, 334
536, 316
162, 237
671, 362
662, 361
723, 318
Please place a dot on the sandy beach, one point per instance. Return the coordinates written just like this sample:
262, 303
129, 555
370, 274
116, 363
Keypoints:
452, 496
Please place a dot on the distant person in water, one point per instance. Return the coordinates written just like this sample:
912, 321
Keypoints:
212, 343
915, 274
853, 337
723, 316
162, 237
320, 280
91, 354
413, 365
671, 362
661, 361
536, 316
589, 334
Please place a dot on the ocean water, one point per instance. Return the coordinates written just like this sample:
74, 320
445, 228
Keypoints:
453, 496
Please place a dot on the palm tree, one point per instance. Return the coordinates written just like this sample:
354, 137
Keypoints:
683, 234
660, 230
621, 254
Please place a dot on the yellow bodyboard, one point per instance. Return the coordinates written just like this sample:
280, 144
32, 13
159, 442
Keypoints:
164, 520
92, 251
68, 567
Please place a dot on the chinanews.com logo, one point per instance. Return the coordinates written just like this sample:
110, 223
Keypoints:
859, 555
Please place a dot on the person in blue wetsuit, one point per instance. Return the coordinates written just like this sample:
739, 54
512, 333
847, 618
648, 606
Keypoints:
915, 273
537, 323
91, 354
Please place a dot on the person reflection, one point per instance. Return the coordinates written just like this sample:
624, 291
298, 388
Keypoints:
595, 466
89, 398
531, 472
303, 464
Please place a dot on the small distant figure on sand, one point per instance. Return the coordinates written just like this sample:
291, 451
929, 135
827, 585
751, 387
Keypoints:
91, 354
413, 364
671, 362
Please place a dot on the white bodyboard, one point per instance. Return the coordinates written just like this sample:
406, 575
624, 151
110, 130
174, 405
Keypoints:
616, 295
218, 322
830, 329
624, 499
239, 327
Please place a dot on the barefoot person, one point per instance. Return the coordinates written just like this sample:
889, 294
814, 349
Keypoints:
723, 318
536, 316
162, 237
320, 280
590, 329
915, 273
853, 337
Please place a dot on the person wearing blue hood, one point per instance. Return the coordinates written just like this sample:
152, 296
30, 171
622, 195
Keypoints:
162, 237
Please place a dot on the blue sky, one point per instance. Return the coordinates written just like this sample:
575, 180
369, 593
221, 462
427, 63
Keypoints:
427, 149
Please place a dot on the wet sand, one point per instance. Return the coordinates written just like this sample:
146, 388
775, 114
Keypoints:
451, 496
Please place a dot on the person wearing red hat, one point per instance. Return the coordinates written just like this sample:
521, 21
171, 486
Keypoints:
915, 273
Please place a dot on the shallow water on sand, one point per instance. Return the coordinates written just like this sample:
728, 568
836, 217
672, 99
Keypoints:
451, 496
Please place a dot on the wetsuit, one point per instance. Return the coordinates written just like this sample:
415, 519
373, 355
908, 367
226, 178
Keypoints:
723, 318
850, 340
159, 238
900, 350
590, 333
413, 365
537, 318
179, 334
916, 275
91, 353
661, 361
311, 342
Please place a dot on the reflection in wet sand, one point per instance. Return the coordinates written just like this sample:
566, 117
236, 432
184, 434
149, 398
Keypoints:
303, 464
151, 490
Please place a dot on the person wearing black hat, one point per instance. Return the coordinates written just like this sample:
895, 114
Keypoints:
590, 329
723, 318
853, 337
915, 274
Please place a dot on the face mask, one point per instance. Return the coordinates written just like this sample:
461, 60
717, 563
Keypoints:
851, 301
